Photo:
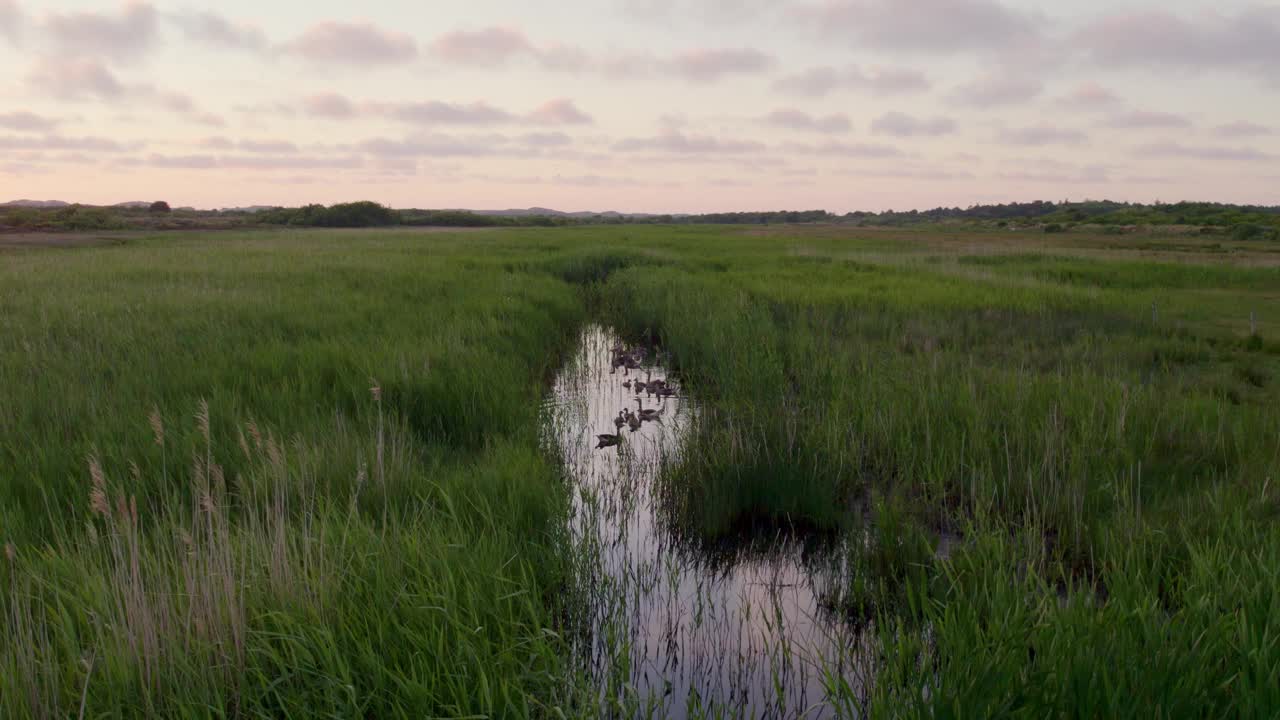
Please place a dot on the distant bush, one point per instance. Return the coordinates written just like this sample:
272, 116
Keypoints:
342, 215
1253, 231
1055, 228
159, 206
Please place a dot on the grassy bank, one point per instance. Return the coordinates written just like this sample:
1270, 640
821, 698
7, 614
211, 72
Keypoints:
251, 474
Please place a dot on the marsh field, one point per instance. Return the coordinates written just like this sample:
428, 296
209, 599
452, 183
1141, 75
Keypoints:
906, 473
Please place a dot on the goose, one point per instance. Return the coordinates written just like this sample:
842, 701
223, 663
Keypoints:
633, 421
608, 440
666, 391
620, 420
640, 386
627, 384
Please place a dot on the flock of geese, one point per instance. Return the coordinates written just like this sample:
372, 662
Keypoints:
628, 360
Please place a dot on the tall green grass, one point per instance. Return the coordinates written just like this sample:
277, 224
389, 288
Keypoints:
299, 473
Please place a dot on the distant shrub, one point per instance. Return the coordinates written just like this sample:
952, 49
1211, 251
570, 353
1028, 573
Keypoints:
342, 215
1054, 228
159, 207
1253, 231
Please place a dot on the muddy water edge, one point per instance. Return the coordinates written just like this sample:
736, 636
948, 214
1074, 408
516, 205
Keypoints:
671, 630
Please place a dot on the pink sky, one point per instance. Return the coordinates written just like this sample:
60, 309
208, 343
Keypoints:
640, 105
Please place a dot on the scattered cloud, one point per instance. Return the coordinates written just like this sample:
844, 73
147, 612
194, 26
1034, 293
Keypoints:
1203, 152
560, 111
1089, 96
434, 145
72, 78
329, 105
877, 80
545, 139
24, 121
353, 44
1242, 129
995, 90
61, 142
925, 26
127, 34
11, 20
487, 47
712, 65
1248, 39
902, 125
1038, 135
672, 141
187, 162
716, 11
435, 112
1089, 174
213, 29
793, 119
1145, 120
868, 151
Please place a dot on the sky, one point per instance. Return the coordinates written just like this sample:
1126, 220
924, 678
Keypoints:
640, 105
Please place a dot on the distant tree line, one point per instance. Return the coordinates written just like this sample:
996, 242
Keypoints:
1243, 222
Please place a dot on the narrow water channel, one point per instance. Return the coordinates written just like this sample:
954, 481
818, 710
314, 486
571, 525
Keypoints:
673, 630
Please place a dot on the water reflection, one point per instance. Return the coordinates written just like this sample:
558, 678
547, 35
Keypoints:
679, 630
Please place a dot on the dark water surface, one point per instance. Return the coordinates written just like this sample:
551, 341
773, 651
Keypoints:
678, 631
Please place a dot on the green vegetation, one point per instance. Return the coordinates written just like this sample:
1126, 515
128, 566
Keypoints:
1240, 222
299, 472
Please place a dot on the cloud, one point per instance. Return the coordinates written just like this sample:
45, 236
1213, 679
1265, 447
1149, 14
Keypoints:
217, 143
329, 105
435, 112
1242, 129
253, 162
1144, 119
868, 151
72, 78
793, 119
353, 44
545, 140
560, 111
1089, 174
488, 47
711, 65
994, 90
1089, 96
819, 81
60, 142
1249, 39
213, 29
435, 145
11, 20
278, 147
716, 11
902, 125
1202, 152
24, 121
128, 34
191, 162
672, 141
925, 26
83, 79
1038, 135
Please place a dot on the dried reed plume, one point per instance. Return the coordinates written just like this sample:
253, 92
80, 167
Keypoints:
98, 488
202, 419
157, 425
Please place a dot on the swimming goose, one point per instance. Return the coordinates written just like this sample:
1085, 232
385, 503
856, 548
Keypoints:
620, 420
633, 421
607, 440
